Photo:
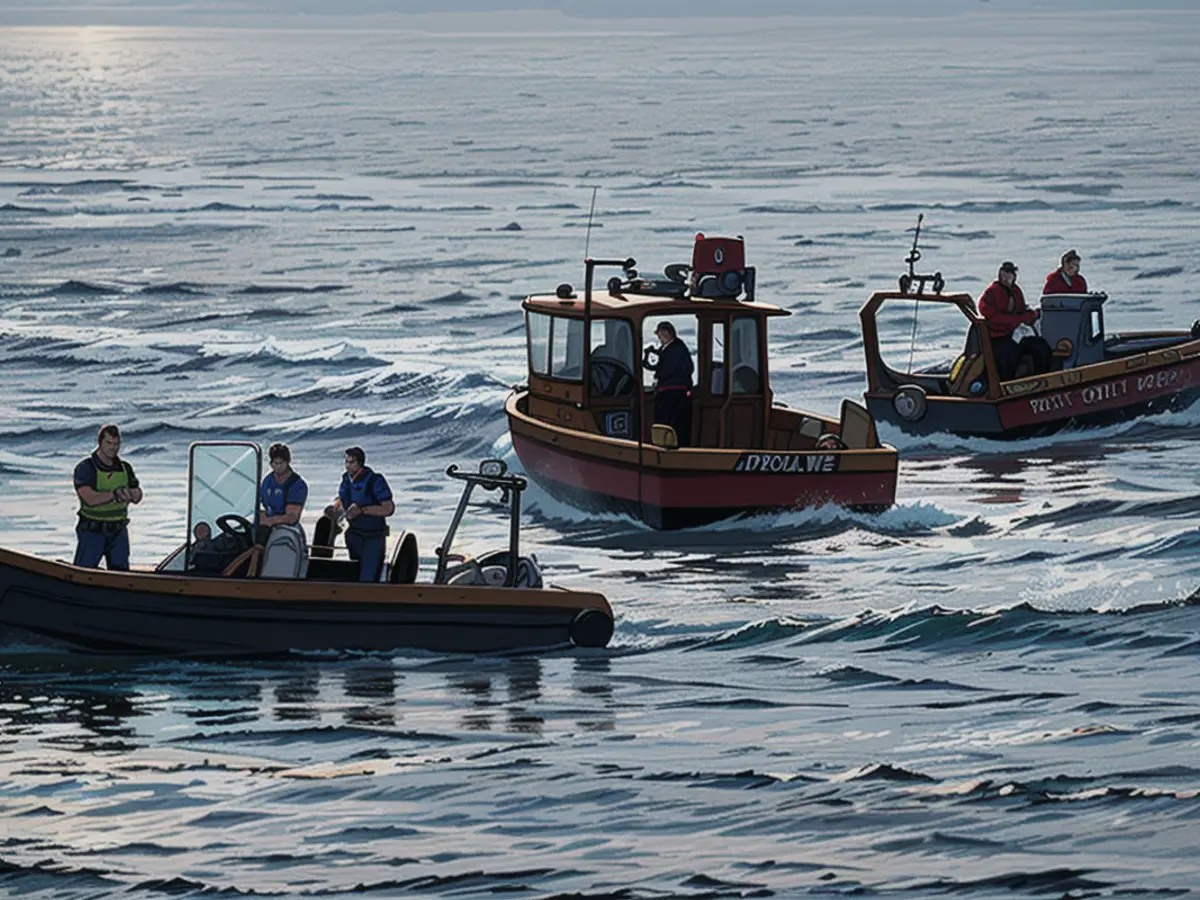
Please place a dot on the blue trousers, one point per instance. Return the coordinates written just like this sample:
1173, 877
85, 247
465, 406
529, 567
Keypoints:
92, 546
368, 549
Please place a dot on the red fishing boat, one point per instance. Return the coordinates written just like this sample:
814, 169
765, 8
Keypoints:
584, 427
1097, 377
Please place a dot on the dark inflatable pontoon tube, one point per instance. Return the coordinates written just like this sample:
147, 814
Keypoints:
591, 628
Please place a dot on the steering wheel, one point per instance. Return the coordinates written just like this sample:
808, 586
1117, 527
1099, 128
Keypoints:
651, 357
236, 527
745, 379
609, 378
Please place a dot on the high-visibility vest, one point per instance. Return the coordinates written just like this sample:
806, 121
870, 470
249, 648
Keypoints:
113, 510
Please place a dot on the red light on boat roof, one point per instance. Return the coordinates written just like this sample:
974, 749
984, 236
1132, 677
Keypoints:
699, 235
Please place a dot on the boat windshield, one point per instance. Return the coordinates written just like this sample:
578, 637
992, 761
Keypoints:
223, 479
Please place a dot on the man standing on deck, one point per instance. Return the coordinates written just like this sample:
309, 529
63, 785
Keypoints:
673, 390
366, 500
106, 486
283, 493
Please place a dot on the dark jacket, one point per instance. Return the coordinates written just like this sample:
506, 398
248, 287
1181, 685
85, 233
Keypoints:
675, 366
1005, 309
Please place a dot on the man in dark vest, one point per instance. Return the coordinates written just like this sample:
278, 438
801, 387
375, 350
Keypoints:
106, 486
283, 493
366, 500
673, 390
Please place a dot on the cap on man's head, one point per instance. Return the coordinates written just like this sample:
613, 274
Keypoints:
1068, 256
1008, 266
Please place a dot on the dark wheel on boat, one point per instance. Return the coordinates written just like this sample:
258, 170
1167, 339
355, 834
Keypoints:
905, 283
910, 402
1196, 329
609, 378
238, 527
591, 628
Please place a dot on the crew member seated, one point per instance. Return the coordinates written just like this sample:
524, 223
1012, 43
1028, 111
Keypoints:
1003, 306
1066, 278
673, 391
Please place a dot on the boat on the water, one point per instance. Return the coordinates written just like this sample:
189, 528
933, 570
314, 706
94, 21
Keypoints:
583, 428
1097, 377
237, 598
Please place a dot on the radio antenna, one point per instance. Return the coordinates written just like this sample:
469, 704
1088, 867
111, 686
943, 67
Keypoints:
587, 241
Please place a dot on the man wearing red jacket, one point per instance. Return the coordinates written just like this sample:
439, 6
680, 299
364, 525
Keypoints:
1003, 306
1066, 278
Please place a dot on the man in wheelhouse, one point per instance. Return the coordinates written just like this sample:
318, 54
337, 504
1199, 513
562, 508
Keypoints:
673, 390
1003, 306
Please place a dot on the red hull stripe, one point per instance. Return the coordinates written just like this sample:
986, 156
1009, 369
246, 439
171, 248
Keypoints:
1128, 389
701, 490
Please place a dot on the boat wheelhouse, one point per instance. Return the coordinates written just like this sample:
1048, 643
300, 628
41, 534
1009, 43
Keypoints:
583, 427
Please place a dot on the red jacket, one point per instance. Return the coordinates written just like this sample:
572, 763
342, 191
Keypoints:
1005, 309
1056, 283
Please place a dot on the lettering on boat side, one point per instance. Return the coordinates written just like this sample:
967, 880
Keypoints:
1050, 403
1107, 391
786, 463
1157, 381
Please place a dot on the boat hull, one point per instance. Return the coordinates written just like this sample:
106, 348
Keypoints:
133, 612
671, 489
1088, 396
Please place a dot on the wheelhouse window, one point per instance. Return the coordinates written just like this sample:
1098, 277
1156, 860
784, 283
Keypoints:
611, 360
716, 384
566, 349
1097, 326
745, 364
537, 325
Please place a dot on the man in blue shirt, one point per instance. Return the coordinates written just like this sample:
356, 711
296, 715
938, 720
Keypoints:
366, 500
283, 493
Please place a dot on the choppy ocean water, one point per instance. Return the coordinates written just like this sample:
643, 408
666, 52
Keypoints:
988, 691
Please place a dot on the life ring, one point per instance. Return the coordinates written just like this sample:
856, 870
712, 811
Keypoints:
910, 402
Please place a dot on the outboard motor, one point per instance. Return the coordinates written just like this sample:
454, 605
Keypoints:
719, 268
1073, 326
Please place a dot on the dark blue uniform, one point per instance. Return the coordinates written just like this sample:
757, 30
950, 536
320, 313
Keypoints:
366, 536
672, 397
276, 497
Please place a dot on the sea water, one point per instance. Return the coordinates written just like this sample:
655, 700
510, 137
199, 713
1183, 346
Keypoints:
323, 238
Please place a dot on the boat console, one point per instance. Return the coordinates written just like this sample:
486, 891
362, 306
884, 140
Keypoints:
222, 488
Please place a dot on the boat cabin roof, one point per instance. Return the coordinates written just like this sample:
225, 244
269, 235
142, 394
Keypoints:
608, 305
